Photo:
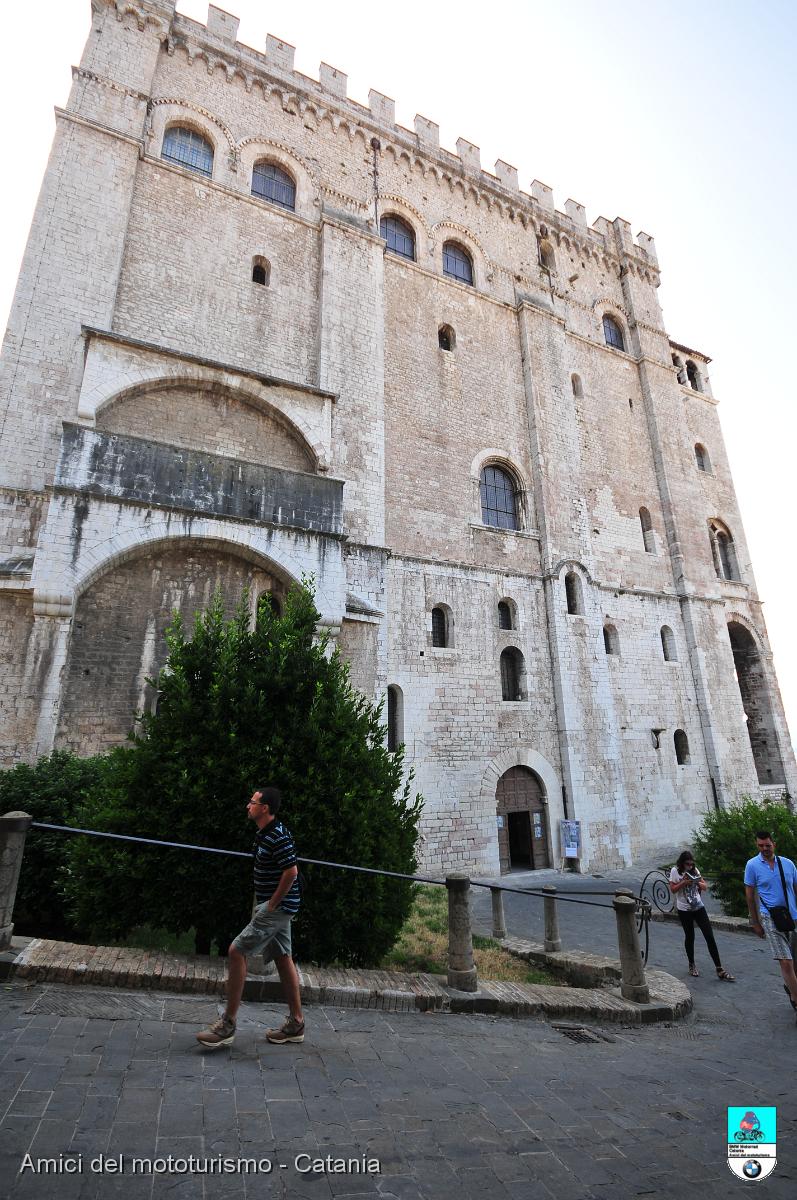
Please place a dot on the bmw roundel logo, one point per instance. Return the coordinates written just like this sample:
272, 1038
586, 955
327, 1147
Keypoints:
752, 1169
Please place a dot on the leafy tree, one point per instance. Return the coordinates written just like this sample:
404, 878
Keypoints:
52, 791
243, 704
726, 840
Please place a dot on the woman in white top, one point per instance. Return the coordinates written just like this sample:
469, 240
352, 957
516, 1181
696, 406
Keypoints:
688, 885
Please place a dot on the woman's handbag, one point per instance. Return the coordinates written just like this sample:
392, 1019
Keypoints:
781, 917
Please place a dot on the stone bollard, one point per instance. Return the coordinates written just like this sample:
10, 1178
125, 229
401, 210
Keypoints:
13, 828
552, 940
461, 971
499, 924
634, 986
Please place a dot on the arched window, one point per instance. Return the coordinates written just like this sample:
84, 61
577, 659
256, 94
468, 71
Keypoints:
578, 387
446, 338
398, 236
270, 182
693, 375
668, 646
612, 332
681, 747
457, 263
261, 271
679, 367
723, 551
395, 717
499, 498
701, 458
547, 256
573, 594
439, 627
611, 642
188, 149
648, 536
505, 620
513, 670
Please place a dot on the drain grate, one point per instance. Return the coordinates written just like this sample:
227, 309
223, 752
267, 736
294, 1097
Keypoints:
578, 1033
97, 1005
113, 1006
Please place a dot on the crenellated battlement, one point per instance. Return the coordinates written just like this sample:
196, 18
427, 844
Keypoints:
216, 43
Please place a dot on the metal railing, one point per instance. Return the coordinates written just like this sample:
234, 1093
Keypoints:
632, 913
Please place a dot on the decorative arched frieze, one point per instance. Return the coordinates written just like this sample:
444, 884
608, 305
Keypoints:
142, 18
168, 110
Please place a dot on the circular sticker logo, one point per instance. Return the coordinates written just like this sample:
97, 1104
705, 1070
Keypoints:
752, 1168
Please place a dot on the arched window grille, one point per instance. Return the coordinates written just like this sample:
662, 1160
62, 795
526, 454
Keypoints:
188, 149
681, 747
612, 332
270, 182
457, 263
512, 672
439, 627
668, 646
395, 717
398, 236
499, 498
573, 594
693, 375
504, 615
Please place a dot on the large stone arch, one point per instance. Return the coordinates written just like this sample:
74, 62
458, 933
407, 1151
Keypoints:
546, 775
120, 616
101, 405
752, 677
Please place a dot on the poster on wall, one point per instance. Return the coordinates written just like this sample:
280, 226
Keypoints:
570, 832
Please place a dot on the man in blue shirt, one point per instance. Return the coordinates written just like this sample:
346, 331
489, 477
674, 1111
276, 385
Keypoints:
277, 897
763, 876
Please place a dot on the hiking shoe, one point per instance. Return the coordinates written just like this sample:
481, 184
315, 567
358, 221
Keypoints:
220, 1033
291, 1031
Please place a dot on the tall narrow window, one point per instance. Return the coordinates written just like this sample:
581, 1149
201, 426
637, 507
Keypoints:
668, 646
573, 594
446, 338
611, 642
648, 536
577, 386
188, 149
612, 333
681, 747
395, 717
679, 367
693, 376
512, 674
723, 552
701, 458
504, 615
499, 499
270, 182
439, 627
398, 236
457, 263
261, 271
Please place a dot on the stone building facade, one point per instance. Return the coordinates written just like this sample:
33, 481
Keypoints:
262, 330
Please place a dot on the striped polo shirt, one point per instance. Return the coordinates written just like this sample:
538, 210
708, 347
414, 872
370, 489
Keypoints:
274, 852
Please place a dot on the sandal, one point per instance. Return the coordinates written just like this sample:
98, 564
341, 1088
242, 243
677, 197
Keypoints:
693, 970
725, 975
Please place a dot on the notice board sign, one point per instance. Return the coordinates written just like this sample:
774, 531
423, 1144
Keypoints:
570, 832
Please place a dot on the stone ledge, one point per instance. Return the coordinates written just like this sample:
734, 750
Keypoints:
40, 960
726, 924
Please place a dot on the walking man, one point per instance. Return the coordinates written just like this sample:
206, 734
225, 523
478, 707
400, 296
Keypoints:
277, 899
763, 874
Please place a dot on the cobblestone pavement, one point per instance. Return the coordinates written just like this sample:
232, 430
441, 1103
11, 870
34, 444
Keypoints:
452, 1107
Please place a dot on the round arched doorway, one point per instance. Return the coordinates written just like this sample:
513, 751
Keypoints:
523, 841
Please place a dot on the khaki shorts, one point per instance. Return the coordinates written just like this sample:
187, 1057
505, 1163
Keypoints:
268, 933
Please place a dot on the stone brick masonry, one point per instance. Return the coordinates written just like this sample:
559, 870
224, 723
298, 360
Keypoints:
173, 422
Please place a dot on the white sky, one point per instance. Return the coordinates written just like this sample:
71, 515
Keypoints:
675, 114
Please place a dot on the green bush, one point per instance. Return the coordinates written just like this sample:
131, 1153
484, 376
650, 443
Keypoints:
239, 707
726, 840
52, 791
